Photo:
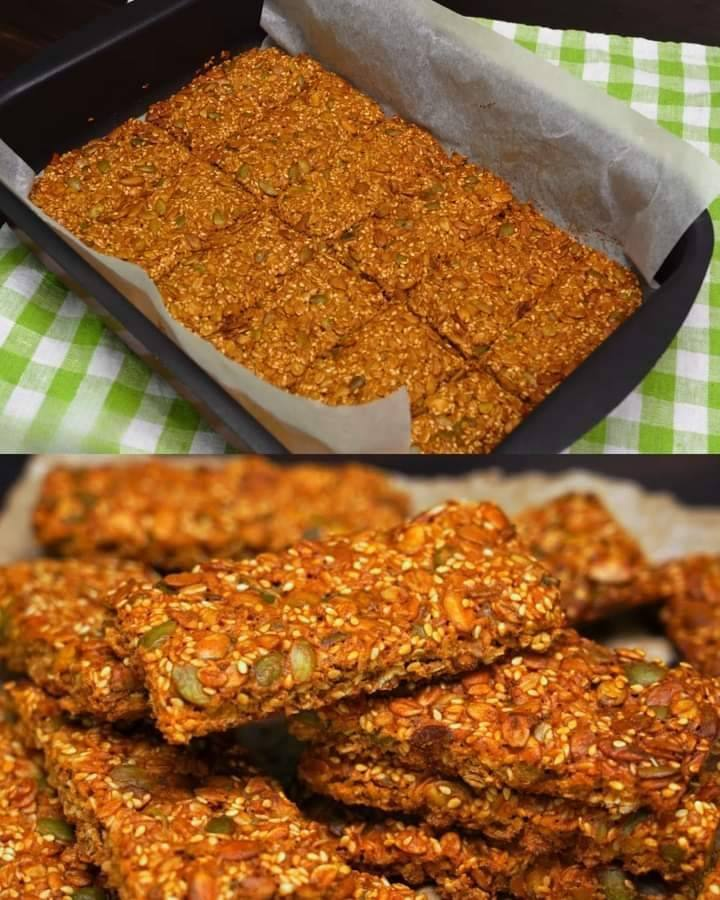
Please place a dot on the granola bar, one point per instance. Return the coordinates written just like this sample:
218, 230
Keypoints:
107, 177
394, 350
53, 623
161, 822
465, 867
581, 309
692, 611
297, 138
233, 273
392, 158
583, 722
38, 854
677, 844
231, 643
181, 216
172, 517
317, 307
470, 413
231, 96
600, 566
407, 236
477, 295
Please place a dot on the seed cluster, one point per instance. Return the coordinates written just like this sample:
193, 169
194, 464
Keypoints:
339, 254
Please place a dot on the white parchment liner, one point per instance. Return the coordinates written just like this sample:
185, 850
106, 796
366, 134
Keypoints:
594, 166
665, 527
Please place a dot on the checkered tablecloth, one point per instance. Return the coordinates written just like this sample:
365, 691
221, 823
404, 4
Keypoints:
67, 384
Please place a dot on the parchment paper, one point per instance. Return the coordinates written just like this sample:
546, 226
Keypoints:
665, 527
595, 167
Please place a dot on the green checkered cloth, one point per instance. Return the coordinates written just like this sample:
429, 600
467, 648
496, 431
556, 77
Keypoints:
66, 383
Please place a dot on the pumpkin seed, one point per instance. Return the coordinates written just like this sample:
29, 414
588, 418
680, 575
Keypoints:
615, 885
304, 167
269, 669
507, 229
218, 217
306, 255
243, 171
212, 114
180, 221
58, 828
103, 166
75, 184
357, 383
302, 660
150, 168
644, 673
673, 854
89, 893
157, 635
161, 207
268, 597
319, 299
661, 712
220, 825
267, 188
186, 681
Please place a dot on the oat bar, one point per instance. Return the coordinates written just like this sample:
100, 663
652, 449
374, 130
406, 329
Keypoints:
468, 868
161, 823
581, 309
230, 643
394, 350
231, 96
38, 854
408, 236
233, 273
692, 611
478, 294
583, 722
392, 158
53, 624
600, 566
173, 516
297, 138
316, 308
677, 844
470, 413
107, 177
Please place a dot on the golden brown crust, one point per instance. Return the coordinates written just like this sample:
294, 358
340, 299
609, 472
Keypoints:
581, 722
601, 567
172, 517
230, 643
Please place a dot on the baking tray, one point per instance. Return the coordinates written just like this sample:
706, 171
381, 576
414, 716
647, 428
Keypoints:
83, 86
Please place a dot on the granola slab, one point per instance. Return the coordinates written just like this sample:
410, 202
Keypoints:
477, 295
233, 272
107, 177
677, 844
38, 854
319, 306
161, 822
172, 517
470, 413
54, 622
232, 95
570, 320
231, 643
409, 235
601, 567
394, 350
692, 612
581, 721
185, 213
297, 138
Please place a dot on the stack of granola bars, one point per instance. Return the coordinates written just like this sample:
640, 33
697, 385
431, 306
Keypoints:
340, 254
461, 739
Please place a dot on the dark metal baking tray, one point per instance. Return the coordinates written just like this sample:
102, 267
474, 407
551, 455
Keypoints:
83, 86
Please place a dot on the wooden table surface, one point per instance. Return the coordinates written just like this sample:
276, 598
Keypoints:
26, 26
